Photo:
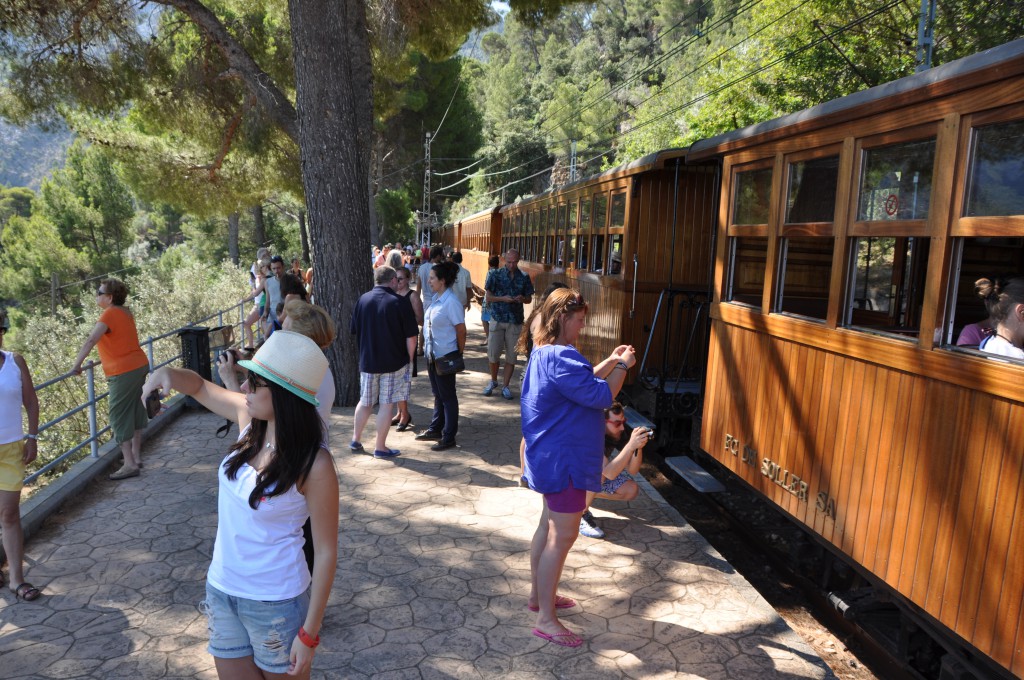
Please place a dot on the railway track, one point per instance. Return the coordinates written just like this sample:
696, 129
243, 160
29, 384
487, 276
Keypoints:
775, 556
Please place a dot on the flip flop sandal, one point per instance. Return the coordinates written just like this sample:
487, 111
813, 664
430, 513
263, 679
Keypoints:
566, 639
26, 591
560, 603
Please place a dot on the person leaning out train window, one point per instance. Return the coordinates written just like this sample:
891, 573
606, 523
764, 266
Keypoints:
973, 334
1005, 300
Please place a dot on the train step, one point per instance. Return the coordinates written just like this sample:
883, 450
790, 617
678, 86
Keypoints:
697, 477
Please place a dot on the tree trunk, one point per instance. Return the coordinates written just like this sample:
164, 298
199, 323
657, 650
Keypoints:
304, 237
334, 105
233, 237
259, 230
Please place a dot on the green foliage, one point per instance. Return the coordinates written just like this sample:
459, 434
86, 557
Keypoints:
178, 288
15, 201
395, 216
32, 251
90, 206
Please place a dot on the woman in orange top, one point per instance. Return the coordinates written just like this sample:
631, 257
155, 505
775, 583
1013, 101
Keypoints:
126, 367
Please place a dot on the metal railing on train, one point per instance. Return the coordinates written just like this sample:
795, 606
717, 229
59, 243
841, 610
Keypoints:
93, 399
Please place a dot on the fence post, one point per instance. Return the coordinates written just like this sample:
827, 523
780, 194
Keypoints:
149, 352
90, 382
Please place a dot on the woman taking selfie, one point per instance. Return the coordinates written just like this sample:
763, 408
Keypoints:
562, 408
264, 607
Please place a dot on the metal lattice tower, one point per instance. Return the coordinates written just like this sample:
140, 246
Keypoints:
425, 214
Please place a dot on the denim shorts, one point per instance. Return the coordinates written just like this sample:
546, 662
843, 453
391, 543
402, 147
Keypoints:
263, 630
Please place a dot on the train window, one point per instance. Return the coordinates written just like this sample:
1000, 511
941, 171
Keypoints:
975, 258
559, 239
812, 190
583, 244
618, 210
600, 212
615, 254
748, 259
569, 256
572, 216
887, 284
896, 181
752, 196
598, 258
805, 271
995, 179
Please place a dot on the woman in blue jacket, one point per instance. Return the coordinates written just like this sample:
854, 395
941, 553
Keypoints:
563, 423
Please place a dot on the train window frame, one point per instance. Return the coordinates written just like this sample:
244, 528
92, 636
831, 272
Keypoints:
561, 234
904, 291
736, 232
805, 231
736, 171
987, 225
917, 227
569, 261
583, 244
817, 227
599, 231
959, 282
730, 288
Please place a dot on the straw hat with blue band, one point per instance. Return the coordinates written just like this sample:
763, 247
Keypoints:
292, 361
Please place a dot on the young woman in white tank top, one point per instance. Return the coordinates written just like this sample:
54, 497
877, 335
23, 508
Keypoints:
264, 607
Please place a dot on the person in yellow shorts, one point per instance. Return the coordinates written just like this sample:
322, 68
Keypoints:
16, 451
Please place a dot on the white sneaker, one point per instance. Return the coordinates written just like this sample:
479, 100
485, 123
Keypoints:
589, 528
489, 390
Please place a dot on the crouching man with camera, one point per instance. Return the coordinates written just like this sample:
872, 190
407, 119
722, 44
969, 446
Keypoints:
617, 482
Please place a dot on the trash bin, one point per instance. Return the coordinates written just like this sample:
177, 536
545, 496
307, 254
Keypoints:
195, 354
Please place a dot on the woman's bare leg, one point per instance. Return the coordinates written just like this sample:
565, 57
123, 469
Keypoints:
13, 537
555, 536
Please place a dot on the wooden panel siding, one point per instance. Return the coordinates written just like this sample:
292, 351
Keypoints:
933, 511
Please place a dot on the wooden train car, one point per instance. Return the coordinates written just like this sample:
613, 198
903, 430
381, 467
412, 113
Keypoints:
479, 238
637, 242
849, 239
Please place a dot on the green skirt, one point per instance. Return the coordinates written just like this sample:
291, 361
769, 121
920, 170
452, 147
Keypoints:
127, 412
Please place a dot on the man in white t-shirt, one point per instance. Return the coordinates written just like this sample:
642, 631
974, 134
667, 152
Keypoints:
463, 287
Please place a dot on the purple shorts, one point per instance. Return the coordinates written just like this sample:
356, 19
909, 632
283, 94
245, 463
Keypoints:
569, 500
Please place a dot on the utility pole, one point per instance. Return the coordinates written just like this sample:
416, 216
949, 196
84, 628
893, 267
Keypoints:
572, 162
425, 214
925, 35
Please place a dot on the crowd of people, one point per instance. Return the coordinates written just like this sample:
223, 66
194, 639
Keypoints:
275, 552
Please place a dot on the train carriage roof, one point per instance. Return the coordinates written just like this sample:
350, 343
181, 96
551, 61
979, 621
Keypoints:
651, 161
483, 213
978, 69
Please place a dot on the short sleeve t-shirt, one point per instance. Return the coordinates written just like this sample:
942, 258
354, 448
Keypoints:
119, 347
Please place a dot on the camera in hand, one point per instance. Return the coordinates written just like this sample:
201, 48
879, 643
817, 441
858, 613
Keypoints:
153, 403
237, 354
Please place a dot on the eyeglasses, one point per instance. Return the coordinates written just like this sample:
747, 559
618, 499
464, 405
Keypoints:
100, 291
256, 381
615, 421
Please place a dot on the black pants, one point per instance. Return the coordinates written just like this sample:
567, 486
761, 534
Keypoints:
446, 404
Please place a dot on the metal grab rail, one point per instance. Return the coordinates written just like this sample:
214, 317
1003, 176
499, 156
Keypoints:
92, 399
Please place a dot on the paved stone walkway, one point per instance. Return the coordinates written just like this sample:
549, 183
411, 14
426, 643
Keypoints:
433, 572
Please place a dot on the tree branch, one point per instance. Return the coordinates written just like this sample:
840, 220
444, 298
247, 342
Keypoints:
257, 81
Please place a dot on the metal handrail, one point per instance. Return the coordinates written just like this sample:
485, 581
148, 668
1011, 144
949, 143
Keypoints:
93, 400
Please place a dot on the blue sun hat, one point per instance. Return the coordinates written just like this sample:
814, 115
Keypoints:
292, 361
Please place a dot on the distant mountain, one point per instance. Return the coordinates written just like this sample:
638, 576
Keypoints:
27, 155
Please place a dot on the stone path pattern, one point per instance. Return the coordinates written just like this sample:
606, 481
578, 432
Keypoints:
433, 572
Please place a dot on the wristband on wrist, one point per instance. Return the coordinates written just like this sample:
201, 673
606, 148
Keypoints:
306, 640
622, 365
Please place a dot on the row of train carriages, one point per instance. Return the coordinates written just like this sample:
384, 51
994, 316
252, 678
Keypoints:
795, 290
